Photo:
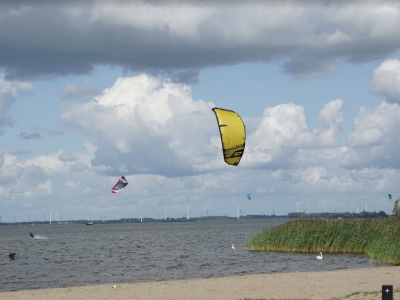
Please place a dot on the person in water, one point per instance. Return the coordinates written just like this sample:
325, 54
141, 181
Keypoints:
12, 254
32, 235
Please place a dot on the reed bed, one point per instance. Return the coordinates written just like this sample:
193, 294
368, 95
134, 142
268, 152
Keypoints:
378, 239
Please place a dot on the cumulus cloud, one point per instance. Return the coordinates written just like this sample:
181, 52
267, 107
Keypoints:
68, 38
332, 117
14, 88
45, 187
41, 176
167, 144
375, 139
386, 80
39, 184
283, 130
9, 91
142, 126
76, 91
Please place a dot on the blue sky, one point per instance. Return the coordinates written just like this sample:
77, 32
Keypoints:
91, 91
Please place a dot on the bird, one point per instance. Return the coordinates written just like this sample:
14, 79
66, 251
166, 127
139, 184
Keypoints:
233, 246
319, 256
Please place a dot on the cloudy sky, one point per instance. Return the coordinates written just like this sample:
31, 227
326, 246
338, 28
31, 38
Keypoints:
91, 91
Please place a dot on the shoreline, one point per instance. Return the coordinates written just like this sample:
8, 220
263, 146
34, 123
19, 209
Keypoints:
297, 285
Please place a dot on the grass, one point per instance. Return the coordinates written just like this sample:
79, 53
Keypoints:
378, 239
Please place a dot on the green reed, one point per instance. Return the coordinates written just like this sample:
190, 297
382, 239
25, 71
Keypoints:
378, 239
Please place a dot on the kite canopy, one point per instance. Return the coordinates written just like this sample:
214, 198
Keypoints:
233, 135
122, 183
249, 196
390, 197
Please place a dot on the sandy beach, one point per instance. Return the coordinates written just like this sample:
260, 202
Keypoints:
298, 285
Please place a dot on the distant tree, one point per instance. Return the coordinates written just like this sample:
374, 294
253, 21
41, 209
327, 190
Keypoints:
382, 214
396, 208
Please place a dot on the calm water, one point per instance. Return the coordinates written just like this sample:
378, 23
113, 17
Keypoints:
71, 255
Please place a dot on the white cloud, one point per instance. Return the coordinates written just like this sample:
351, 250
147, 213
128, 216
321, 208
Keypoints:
72, 184
332, 117
14, 88
375, 125
376, 139
49, 163
145, 126
156, 134
283, 130
141, 125
46, 187
43, 183
386, 80
139, 114
9, 91
9, 159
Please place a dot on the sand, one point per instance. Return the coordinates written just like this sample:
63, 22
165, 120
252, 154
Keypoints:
298, 285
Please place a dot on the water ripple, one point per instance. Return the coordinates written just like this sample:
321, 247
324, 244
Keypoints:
71, 255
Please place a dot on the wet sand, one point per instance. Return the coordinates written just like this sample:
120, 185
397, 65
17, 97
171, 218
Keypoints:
298, 285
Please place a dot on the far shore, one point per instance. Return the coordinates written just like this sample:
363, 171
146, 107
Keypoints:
297, 285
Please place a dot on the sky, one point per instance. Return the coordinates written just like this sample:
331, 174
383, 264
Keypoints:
92, 90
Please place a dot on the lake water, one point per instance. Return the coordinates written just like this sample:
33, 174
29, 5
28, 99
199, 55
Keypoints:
73, 255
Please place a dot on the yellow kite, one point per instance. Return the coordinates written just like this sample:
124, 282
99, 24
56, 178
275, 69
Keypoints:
233, 135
